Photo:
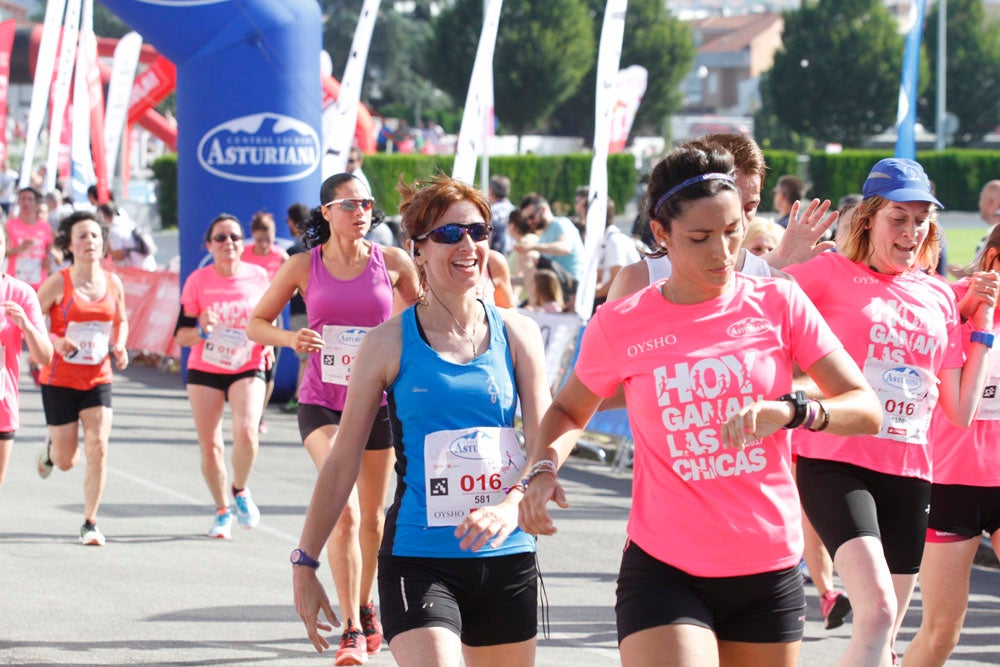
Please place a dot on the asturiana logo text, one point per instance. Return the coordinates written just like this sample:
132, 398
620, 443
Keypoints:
260, 148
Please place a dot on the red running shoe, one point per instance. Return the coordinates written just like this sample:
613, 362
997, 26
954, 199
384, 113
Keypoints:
352, 647
371, 628
835, 607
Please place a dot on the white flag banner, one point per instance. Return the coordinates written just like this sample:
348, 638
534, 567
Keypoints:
340, 119
82, 174
60, 91
122, 75
631, 88
608, 59
40, 87
470, 135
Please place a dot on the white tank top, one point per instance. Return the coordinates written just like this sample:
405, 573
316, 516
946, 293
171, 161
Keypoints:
660, 268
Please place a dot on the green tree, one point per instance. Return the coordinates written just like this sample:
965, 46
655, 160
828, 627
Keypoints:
972, 70
770, 131
654, 39
395, 75
543, 51
106, 22
836, 78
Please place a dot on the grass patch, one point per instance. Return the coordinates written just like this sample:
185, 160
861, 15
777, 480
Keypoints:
961, 243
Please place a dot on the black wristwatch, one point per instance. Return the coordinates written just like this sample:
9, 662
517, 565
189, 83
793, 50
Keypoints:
301, 558
800, 403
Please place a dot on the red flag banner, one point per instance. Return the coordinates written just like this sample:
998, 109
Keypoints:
150, 87
6, 44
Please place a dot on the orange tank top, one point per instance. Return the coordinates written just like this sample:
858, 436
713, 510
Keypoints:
91, 321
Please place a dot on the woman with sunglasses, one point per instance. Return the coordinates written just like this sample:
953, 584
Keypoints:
224, 364
709, 574
454, 582
349, 286
86, 308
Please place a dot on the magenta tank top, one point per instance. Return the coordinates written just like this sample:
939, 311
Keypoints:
365, 301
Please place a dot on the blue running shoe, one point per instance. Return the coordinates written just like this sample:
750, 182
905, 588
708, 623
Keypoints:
246, 510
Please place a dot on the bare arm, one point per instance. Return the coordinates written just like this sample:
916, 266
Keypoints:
291, 277
405, 279
629, 280
961, 388
119, 338
559, 430
377, 362
500, 275
851, 404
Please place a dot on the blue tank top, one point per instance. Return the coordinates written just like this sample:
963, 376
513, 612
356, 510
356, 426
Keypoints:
364, 301
430, 395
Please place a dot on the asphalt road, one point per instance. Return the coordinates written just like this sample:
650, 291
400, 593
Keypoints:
161, 594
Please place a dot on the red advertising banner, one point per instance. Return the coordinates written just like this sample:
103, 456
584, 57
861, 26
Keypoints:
152, 302
87, 57
6, 45
150, 87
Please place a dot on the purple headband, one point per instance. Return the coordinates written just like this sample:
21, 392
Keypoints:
711, 176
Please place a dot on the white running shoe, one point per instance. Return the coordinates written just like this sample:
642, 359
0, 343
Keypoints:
91, 537
222, 529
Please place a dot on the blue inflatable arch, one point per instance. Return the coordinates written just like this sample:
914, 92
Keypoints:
248, 109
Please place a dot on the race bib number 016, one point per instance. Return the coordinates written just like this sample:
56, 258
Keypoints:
228, 348
467, 469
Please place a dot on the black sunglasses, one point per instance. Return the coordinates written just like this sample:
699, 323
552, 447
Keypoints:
221, 238
452, 233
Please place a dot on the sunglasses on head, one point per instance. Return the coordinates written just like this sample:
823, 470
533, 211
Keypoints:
349, 205
452, 233
221, 238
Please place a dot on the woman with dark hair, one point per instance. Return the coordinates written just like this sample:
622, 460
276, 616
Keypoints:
868, 497
224, 364
454, 582
709, 573
349, 286
88, 326
965, 496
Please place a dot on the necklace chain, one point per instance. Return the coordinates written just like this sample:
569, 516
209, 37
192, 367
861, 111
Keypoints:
468, 335
666, 284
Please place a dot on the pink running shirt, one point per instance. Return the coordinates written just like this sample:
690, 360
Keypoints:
901, 331
233, 298
29, 264
970, 456
270, 263
12, 289
709, 511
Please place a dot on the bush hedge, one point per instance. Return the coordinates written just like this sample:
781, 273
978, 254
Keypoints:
555, 177
958, 175
165, 172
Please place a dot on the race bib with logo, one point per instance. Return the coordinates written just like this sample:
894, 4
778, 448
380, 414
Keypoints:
227, 347
467, 469
340, 346
92, 341
29, 269
907, 395
989, 404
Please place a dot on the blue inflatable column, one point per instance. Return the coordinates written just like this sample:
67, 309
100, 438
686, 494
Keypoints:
248, 109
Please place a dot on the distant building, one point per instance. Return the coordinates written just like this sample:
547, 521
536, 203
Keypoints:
733, 51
